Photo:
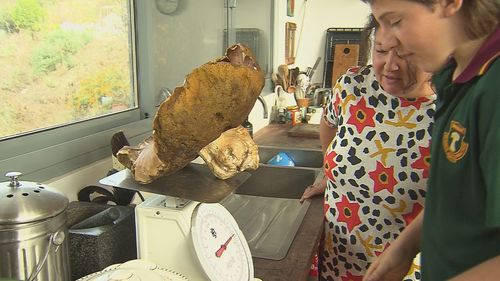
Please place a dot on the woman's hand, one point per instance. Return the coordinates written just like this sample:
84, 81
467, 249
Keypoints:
314, 189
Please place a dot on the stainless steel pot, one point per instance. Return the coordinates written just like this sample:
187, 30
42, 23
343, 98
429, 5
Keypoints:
33, 232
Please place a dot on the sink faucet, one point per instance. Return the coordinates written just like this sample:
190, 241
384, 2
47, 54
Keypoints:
247, 125
264, 105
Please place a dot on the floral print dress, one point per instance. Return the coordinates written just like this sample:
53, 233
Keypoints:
377, 167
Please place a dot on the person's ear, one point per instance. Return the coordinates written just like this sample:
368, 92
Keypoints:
450, 7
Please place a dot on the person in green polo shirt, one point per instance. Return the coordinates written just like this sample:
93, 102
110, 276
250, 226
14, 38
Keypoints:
458, 231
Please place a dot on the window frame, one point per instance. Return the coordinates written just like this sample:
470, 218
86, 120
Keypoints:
46, 154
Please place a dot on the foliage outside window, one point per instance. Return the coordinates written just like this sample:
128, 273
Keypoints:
63, 61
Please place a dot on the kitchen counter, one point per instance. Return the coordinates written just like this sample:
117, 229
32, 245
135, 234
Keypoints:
297, 262
277, 135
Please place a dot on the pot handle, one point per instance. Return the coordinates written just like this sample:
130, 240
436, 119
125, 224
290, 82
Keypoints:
56, 240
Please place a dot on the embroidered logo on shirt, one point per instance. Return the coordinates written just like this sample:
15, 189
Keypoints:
454, 144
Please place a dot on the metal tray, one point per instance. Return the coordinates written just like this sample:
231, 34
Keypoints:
194, 182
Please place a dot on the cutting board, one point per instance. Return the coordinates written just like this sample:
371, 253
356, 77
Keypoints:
305, 131
345, 56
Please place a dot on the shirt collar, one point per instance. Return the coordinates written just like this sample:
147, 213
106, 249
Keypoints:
443, 77
483, 58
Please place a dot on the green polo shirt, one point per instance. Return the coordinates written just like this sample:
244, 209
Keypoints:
462, 209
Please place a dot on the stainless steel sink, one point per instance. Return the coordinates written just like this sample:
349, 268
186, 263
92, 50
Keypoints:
267, 208
277, 181
302, 157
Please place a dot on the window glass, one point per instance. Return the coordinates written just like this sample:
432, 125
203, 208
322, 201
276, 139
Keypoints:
64, 61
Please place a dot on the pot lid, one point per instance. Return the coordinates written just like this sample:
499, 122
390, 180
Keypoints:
24, 201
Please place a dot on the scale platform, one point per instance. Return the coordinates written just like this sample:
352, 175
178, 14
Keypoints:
193, 182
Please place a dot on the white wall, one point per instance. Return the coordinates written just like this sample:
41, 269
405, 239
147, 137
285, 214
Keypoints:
257, 14
74, 181
184, 40
319, 16
193, 35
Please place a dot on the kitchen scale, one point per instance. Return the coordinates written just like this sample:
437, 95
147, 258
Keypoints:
182, 226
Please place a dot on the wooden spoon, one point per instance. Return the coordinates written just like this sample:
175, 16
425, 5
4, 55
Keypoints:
283, 73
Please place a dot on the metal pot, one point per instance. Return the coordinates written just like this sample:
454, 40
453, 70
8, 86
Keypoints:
33, 232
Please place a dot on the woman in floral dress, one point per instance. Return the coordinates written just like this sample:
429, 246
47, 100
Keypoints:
377, 127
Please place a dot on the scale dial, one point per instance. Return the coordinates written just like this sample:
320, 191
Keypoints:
219, 244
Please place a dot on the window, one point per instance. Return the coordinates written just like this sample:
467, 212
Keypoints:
68, 80
69, 60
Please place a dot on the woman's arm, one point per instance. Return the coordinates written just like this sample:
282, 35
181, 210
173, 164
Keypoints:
326, 134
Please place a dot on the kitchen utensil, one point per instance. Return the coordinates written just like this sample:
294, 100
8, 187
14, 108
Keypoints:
345, 56
293, 74
313, 69
283, 75
199, 240
284, 98
135, 270
302, 102
334, 36
303, 83
321, 95
33, 231
308, 71
277, 81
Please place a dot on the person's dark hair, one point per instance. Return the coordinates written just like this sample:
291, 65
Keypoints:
365, 45
481, 17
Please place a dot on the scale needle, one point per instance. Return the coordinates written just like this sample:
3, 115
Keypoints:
223, 247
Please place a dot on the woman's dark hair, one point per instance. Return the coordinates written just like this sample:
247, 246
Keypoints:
481, 17
365, 45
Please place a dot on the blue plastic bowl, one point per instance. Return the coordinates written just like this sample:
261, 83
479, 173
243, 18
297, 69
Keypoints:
281, 159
